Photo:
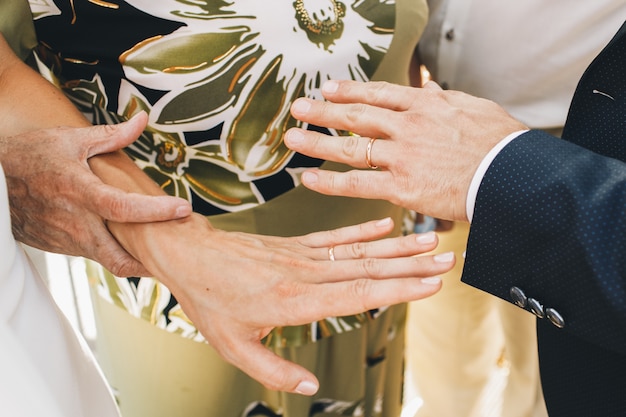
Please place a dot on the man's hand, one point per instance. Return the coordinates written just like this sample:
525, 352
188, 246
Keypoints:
235, 287
59, 205
428, 143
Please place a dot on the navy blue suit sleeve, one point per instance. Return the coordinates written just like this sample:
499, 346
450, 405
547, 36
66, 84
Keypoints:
550, 218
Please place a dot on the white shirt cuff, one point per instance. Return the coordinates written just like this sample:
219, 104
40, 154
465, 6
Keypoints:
482, 169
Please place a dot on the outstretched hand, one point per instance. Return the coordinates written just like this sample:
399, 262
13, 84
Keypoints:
424, 143
235, 287
59, 205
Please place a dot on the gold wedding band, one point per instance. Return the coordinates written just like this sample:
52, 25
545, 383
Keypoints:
368, 154
331, 253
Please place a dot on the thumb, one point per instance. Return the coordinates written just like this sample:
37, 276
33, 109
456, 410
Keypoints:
110, 138
272, 371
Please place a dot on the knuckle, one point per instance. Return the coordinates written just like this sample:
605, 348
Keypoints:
354, 181
372, 268
357, 250
287, 290
350, 146
355, 112
379, 92
361, 289
112, 208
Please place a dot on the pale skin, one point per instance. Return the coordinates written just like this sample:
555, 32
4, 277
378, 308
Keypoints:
235, 287
429, 143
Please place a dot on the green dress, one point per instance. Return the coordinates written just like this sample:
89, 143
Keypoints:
217, 79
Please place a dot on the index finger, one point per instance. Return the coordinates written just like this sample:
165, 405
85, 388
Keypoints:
361, 295
374, 93
363, 119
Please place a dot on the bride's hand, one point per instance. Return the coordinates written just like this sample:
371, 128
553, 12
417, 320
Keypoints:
236, 287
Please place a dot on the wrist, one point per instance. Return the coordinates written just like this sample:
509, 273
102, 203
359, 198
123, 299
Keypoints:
151, 243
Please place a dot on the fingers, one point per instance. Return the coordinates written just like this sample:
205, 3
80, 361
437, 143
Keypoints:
358, 242
380, 269
387, 248
360, 184
119, 206
379, 94
114, 204
119, 262
103, 248
109, 138
358, 296
351, 150
274, 372
357, 233
356, 117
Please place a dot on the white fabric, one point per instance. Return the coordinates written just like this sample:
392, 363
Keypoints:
45, 368
527, 56
482, 169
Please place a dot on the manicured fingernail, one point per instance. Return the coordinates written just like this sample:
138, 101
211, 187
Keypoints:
309, 178
330, 86
431, 280
444, 257
426, 237
383, 222
294, 137
301, 106
464, 253
306, 388
183, 211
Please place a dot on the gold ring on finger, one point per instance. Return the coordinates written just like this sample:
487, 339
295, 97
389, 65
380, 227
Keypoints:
368, 154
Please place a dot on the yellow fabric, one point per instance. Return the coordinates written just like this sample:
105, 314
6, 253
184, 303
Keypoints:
465, 337
159, 374
16, 24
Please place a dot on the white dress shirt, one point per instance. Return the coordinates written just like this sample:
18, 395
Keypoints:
531, 70
530, 67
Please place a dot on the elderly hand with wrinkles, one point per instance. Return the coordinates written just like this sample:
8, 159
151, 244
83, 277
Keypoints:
420, 147
59, 205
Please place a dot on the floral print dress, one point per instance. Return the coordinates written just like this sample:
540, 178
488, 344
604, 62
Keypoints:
217, 79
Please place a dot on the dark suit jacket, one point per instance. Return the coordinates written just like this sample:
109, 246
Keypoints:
549, 233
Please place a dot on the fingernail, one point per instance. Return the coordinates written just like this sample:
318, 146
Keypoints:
294, 137
301, 106
431, 280
183, 211
306, 388
309, 178
136, 115
330, 86
444, 257
428, 237
383, 222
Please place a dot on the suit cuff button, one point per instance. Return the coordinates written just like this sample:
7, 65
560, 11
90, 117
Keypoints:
518, 297
536, 308
555, 317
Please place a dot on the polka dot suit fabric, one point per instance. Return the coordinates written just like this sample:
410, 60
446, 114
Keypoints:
550, 220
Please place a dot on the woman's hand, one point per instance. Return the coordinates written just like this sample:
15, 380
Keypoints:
58, 204
236, 287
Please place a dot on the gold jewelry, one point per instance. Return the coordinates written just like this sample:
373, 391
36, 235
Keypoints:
331, 253
368, 154
321, 27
